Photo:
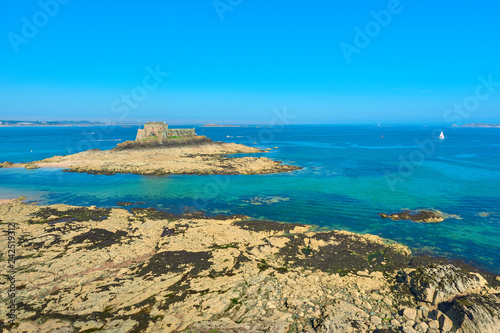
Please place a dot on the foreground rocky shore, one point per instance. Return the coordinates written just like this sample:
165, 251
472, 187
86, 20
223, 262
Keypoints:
192, 156
86, 269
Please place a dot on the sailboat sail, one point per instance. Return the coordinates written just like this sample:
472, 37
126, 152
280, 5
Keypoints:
441, 136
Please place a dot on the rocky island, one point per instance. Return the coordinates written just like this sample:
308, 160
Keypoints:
425, 216
159, 150
86, 269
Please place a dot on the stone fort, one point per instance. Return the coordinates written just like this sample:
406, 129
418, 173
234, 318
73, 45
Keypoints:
159, 130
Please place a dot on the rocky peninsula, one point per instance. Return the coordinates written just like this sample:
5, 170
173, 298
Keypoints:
196, 155
86, 269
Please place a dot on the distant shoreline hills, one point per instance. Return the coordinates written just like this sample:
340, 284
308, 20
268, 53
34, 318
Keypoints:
229, 125
217, 125
10, 123
479, 125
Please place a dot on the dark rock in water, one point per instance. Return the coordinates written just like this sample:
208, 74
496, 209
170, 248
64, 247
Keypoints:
426, 216
126, 203
442, 283
475, 313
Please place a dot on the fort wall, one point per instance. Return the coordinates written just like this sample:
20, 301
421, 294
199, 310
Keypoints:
182, 132
161, 131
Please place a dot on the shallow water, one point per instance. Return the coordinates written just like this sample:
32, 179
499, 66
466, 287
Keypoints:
350, 174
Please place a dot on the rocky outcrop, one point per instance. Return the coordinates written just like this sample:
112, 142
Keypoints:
182, 142
425, 216
188, 156
113, 270
475, 313
6, 164
442, 283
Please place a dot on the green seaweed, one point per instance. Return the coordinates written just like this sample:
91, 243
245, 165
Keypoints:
262, 266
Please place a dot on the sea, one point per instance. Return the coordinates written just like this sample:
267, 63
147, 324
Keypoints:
349, 174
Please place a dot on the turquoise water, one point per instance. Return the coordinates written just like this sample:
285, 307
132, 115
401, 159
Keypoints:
350, 174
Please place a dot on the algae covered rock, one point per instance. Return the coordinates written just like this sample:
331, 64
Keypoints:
425, 216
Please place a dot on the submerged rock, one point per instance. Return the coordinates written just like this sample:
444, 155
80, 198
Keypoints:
124, 203
426, 216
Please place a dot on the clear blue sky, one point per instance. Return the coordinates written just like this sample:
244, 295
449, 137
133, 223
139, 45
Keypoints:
263, 55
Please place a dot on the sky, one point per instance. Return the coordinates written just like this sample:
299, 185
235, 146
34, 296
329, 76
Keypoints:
243, 61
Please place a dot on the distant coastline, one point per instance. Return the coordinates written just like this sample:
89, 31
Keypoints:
482, 125
62, 123
217, 125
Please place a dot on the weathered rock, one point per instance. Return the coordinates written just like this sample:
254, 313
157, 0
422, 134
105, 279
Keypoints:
341, 317
424, 311
410, 313
475, 313
409, 329
445, 323
395, 322
442, 283
375, 320
387, 301
421, 327
434, 324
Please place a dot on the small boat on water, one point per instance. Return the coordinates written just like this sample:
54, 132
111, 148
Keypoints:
441, 136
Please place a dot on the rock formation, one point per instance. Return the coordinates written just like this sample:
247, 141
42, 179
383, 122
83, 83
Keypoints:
437, 284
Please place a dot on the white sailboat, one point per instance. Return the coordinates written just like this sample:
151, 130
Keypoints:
441, 136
